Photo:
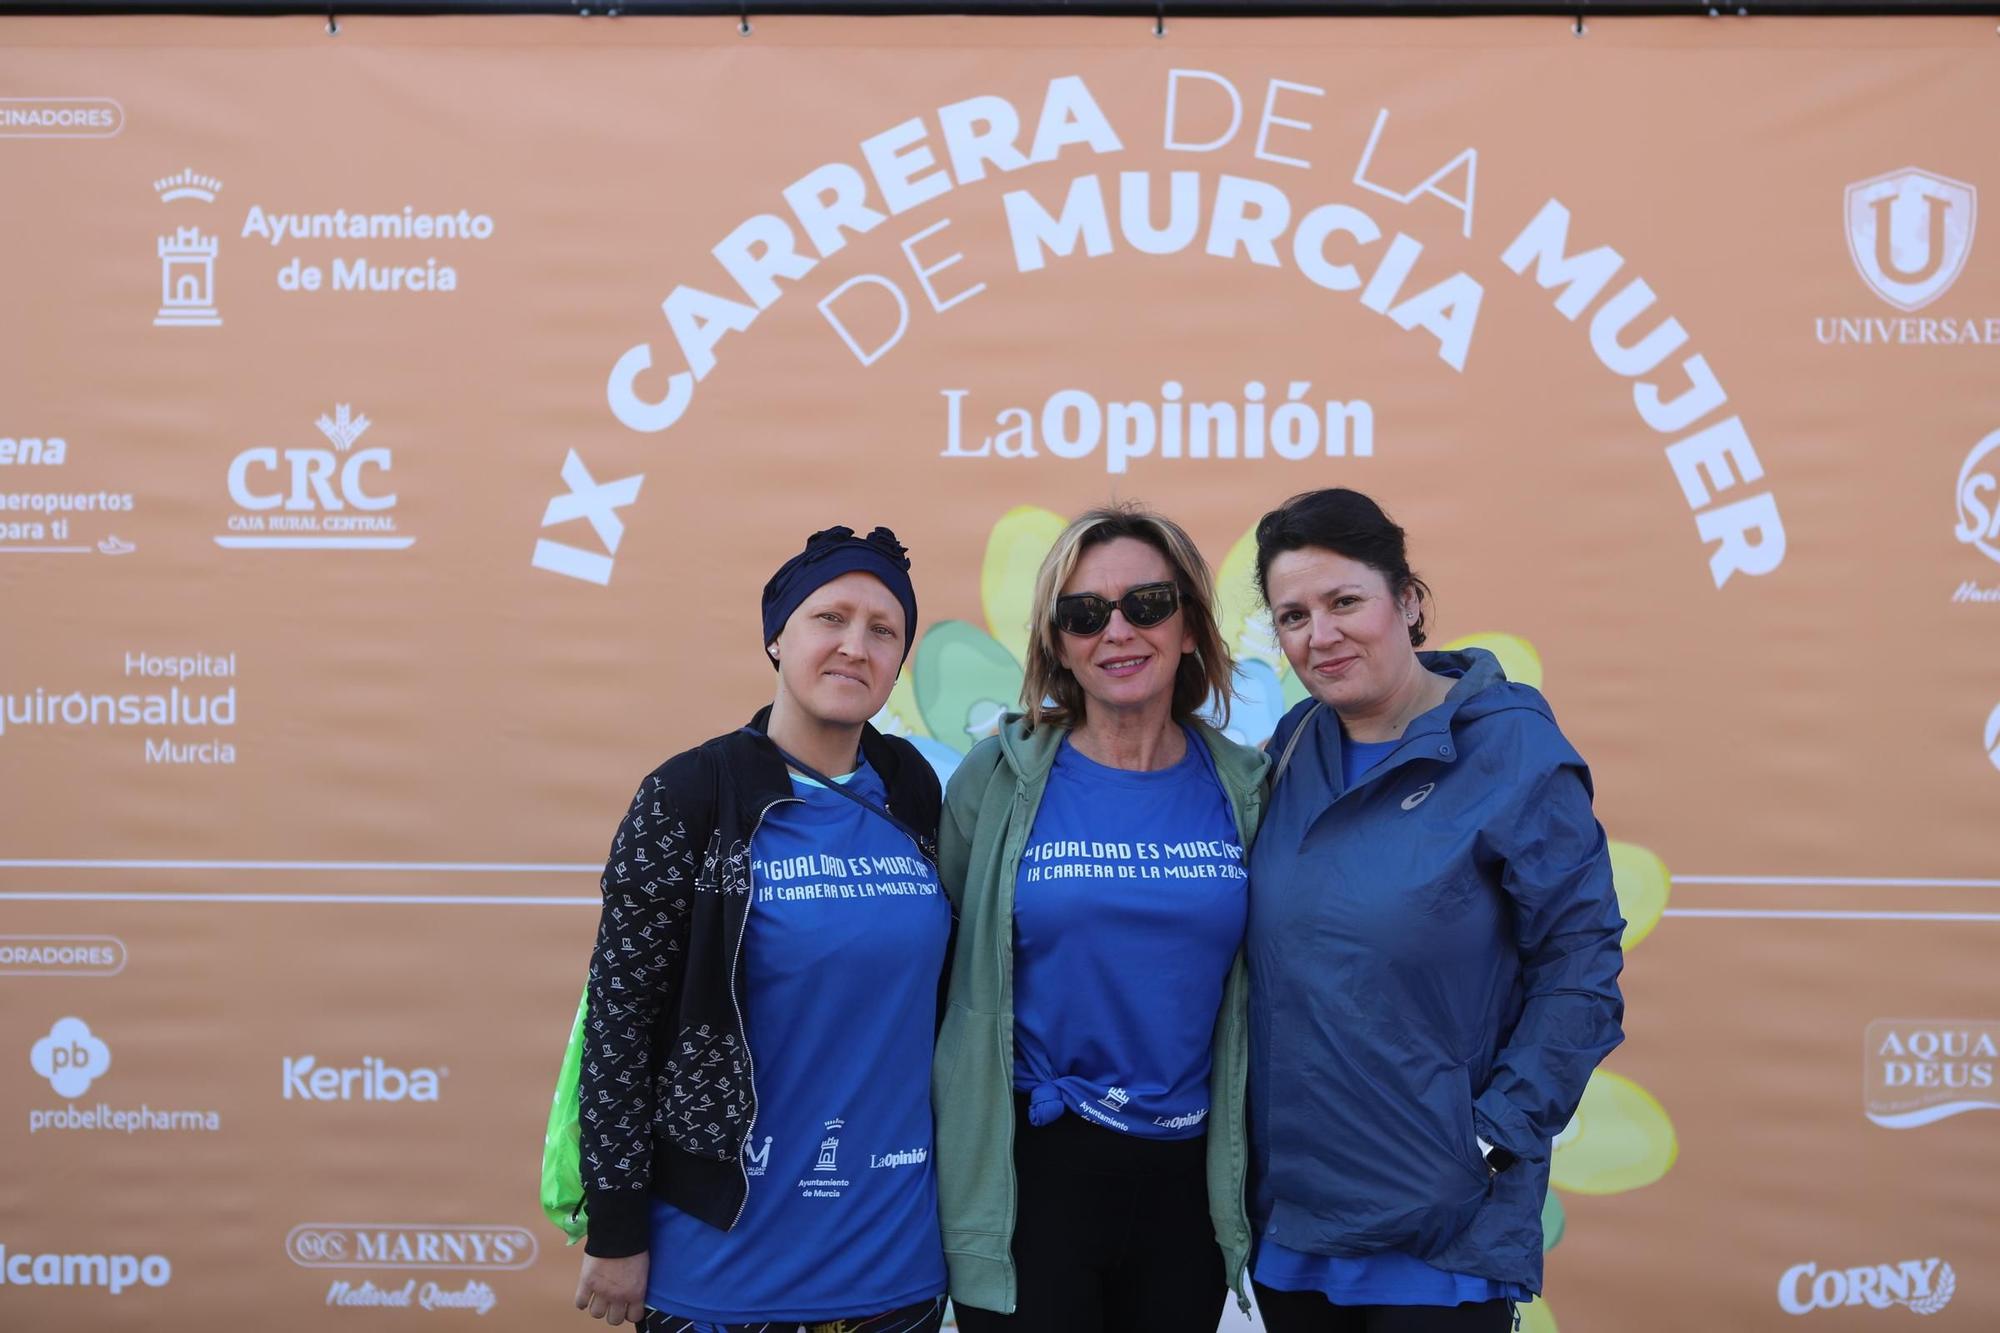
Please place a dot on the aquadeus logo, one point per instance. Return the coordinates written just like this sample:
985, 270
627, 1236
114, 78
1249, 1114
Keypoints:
373, 1080
1922, 1070
409, 1245
1924, 1286
1909, 232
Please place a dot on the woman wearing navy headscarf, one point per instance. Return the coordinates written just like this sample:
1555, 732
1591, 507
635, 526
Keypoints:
1433, 950
755, 1083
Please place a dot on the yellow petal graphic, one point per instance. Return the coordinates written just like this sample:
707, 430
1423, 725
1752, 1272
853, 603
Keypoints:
1014, 552
1620, 1139
1239, 612
1535, 1318
1643, 884
900, 715
1518, 657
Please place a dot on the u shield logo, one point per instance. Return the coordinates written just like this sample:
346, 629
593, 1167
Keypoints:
1910, 232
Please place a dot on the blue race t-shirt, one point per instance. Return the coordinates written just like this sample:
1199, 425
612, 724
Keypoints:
841, 955
1129, 907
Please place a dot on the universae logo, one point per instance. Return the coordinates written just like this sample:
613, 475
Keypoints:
1909, 232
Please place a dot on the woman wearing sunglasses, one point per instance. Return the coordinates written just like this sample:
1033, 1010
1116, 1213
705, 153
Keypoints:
1090, 1072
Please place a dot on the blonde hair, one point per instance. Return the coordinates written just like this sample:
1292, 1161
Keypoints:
1050, 692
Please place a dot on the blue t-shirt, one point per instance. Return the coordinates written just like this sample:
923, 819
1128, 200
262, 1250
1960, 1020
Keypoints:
841, 955
1387, 1277
1129, 907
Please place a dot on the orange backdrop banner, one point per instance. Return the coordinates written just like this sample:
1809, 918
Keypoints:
399, 424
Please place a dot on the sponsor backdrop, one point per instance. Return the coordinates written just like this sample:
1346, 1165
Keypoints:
399, 424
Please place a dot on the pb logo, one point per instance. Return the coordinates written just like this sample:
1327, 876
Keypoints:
1910, 233
71, 1058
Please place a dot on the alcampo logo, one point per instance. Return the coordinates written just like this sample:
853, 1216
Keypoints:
1925, 1286
114, 1272
1979, 498
1909, 233
71, 1057
373, 1080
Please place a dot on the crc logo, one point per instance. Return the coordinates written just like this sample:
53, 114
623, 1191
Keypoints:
408, 1245
1979, 498
1925, 1286
315, 498
1910, 232
70, 1057
373, 1080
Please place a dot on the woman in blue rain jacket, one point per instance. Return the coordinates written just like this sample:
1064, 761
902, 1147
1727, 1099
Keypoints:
1433, 952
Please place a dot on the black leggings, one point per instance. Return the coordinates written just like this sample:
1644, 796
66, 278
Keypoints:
1311, 1312
1111, 1234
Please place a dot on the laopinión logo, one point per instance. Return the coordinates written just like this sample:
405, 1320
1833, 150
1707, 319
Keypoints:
373, 1080
187, 257
314, 498
1924, 1286
72, 1058
1910, 233
409, 1245
1922, 1070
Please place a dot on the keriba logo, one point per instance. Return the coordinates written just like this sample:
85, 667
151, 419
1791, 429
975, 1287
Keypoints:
373, 1080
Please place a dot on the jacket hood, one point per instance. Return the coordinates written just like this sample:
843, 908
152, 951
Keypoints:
1482, 688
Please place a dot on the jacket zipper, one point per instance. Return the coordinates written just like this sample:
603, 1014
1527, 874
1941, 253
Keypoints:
756, 1107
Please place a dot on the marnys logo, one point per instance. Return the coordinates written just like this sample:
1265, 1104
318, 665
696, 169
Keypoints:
1925, 1286
1993, 736
70, 1057
326, 499
1922, 1070
409, 1245
373, 1080
1910, 232
1416, 798
1979, 498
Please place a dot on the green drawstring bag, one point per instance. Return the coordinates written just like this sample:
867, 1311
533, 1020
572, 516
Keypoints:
562, 1173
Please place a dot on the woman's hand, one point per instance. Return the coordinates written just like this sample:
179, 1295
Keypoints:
613, 1290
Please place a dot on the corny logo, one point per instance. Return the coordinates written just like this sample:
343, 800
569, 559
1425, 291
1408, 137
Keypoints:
1925, 1286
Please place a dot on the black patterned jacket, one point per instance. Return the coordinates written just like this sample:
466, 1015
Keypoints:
667, 1080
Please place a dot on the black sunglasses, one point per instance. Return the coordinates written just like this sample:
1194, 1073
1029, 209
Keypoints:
1149, 604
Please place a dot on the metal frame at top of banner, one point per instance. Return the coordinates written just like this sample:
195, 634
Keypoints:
1159, 10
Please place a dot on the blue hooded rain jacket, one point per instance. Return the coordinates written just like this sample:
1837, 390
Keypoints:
1433, 960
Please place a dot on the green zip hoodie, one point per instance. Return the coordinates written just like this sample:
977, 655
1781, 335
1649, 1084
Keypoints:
989, 811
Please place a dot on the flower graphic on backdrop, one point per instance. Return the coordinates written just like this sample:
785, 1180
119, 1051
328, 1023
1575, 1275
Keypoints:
963, 678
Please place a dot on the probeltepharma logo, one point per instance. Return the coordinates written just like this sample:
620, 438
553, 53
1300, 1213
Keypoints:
1922, 1070
72, 1058
187, 257
1923, 1286
373, 1080
114, 1272
312, 498
1910, 233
